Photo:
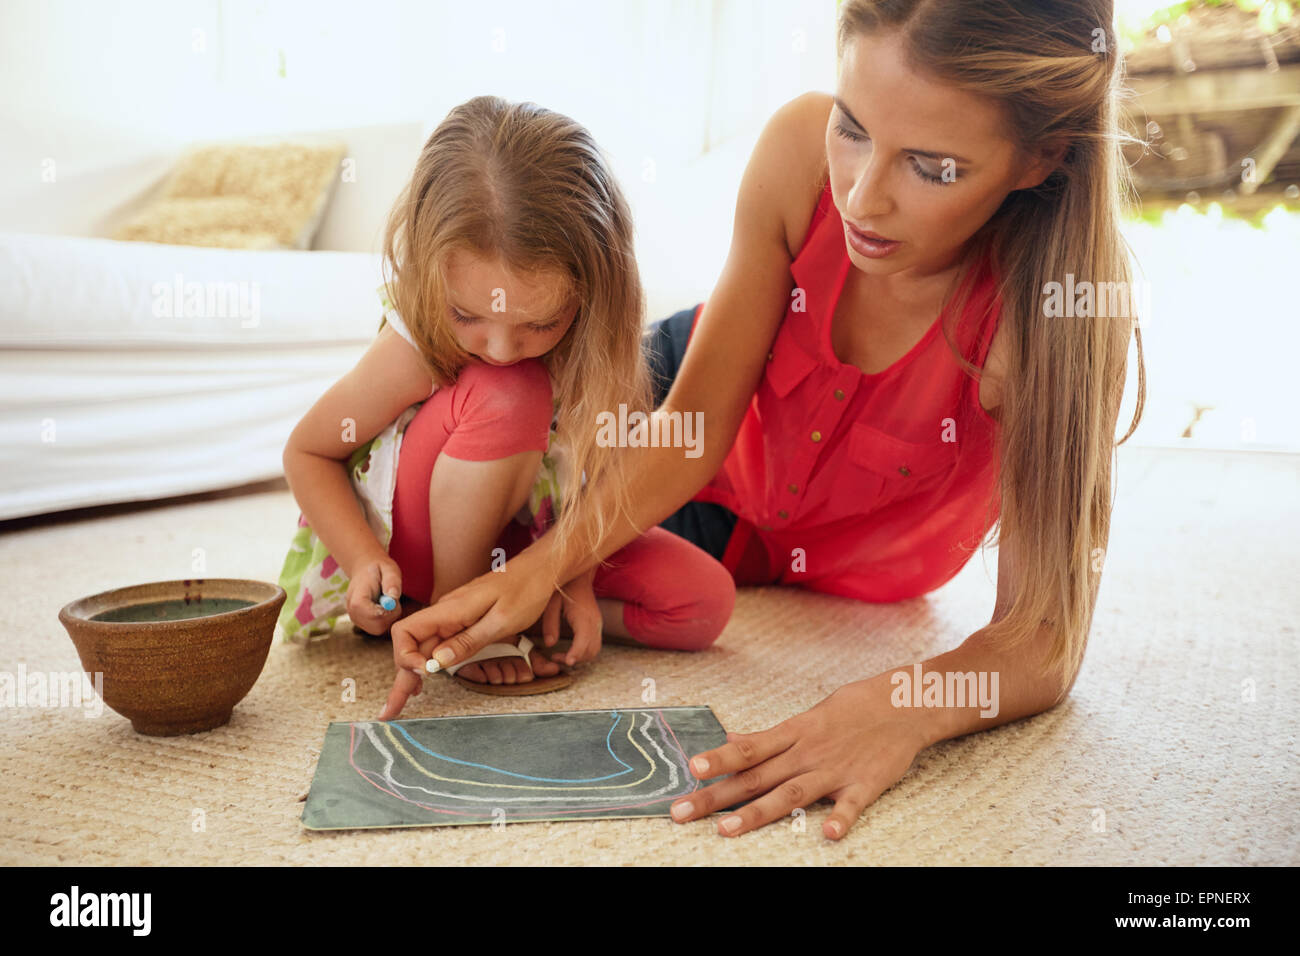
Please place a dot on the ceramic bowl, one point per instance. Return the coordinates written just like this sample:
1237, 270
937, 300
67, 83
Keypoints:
176, 656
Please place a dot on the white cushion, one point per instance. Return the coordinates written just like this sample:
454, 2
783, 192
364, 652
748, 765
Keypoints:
73, 292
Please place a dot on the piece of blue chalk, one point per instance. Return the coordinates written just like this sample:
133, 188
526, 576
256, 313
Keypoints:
387, 603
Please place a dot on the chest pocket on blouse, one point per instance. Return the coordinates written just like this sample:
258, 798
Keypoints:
879, 469
789, 364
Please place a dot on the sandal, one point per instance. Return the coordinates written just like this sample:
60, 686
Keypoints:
538, 685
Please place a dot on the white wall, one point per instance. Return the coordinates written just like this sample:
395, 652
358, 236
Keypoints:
639, 73
100, 98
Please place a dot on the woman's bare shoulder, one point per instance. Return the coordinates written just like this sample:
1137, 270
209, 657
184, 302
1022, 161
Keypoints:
795, 145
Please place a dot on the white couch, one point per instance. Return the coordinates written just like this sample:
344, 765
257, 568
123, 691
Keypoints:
110, 392
108, 395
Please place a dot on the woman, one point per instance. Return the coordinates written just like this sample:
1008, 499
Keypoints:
976, 141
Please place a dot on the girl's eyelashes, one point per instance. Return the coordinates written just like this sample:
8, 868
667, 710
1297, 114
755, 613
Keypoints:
468, 320
916, 166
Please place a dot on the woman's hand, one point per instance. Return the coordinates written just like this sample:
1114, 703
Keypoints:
464, 621
851, 747
583, 614
372, 578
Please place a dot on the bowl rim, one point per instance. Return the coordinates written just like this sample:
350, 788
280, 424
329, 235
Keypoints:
67, 612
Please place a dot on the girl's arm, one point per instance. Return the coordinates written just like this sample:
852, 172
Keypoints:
718, 377
388, 379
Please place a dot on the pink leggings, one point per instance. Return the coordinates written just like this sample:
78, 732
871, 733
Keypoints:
675, 595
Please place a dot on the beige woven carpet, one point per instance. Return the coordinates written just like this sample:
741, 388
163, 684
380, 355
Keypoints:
1197, 606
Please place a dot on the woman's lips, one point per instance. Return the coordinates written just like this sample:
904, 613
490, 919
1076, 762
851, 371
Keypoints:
870, 244
868, 234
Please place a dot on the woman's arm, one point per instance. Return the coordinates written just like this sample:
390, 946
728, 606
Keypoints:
1023, 688
388, 379
862, 739
728, 351
718, 377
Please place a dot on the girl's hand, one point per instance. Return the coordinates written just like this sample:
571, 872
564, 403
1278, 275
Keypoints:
582, 613
851, 747
379, 575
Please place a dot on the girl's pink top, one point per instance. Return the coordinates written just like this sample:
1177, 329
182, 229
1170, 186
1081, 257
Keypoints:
877, 487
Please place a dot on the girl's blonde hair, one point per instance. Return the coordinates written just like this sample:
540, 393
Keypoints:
1055, 69
529, 186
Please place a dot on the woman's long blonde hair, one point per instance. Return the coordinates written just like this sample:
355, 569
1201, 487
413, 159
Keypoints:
530, 186
1055, 69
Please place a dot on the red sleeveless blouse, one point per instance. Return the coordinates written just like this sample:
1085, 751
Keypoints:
878, 486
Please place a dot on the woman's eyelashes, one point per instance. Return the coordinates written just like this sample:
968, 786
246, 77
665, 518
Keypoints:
470, 320
920, 170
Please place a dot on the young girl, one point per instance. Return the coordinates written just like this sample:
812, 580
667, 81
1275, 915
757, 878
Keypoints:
513, 319
885, 382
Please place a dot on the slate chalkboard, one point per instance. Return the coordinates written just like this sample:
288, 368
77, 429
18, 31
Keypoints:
508, 768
